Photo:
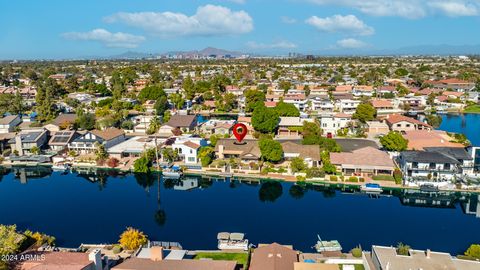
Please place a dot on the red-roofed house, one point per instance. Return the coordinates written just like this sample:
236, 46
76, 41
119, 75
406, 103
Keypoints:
401, 123
366, 161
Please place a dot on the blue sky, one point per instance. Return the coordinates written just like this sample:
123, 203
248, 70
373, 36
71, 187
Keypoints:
66, 29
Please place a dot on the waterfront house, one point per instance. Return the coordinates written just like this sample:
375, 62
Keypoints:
365, 161
402, 124
187, 148
61, 260
25, 141
331, 124
59, 140
85, 143
420, 139
134, 147
186, 123
309, 153
248, 150
387, 258
436, 163
273, 257
291, 126
428, 165
9, 123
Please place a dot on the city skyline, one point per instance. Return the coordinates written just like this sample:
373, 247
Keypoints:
109, 28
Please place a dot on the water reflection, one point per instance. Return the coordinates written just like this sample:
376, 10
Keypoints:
268, 191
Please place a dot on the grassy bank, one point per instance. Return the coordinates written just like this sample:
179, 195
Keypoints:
472, 109
241, 258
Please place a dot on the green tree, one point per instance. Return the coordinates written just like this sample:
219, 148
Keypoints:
45, 99
206, 155
161, 105
270, 149
10, 240
189, 87
132, 239
394, 141
177, 100
434, 120
169, 155
298, 165
401, 72
365, 112
265, 120
311, 133
285, 85
84, 120
142, 165
154, 125
153, 92
254, 99
473, 251
101, 153
287, 109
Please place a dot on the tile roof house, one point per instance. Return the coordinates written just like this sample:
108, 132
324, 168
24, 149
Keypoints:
387, 258
273, 257
85, 143
366, 161
420, 139
309, 153
62, 261
291, 126
401, 123
183, 122
247, 150
148, 264
63, 121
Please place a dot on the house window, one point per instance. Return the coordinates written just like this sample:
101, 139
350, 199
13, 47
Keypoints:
415, 165
446, 166
432, 166
191, 159
408, 125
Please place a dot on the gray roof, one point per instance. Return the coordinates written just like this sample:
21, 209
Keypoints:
29, 137
454, 152
350, 145
181, 120
428, 157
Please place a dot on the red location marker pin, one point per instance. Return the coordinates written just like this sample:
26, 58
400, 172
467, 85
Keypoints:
240, 131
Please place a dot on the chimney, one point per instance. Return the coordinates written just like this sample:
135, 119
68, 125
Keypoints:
96, 257
156, 254
428, 253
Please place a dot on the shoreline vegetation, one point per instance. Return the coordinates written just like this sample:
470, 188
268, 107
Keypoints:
339, 181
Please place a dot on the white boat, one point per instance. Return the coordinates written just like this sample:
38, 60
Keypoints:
60, 167
173, 172
323, 246
371, 188
232, 241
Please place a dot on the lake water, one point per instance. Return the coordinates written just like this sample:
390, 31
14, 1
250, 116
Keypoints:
77, 210
468, 124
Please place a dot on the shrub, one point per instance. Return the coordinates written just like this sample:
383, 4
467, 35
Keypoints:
473, 251
361, 179
315, 172
300, 178
353, 179
112, 162
117, 249
403, 249
333, 178
356, 252
132, 239
397, 175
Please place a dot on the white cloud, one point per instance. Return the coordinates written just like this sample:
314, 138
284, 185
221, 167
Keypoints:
455, 8
119, 39
237, 1
351, 43
208, 20
276, 45
348, 24
288, 20
412, 9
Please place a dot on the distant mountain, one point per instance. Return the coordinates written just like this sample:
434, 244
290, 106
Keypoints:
206, 52
131, 55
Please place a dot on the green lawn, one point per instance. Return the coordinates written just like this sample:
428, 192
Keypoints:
472, 109
241, 258
383, 177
